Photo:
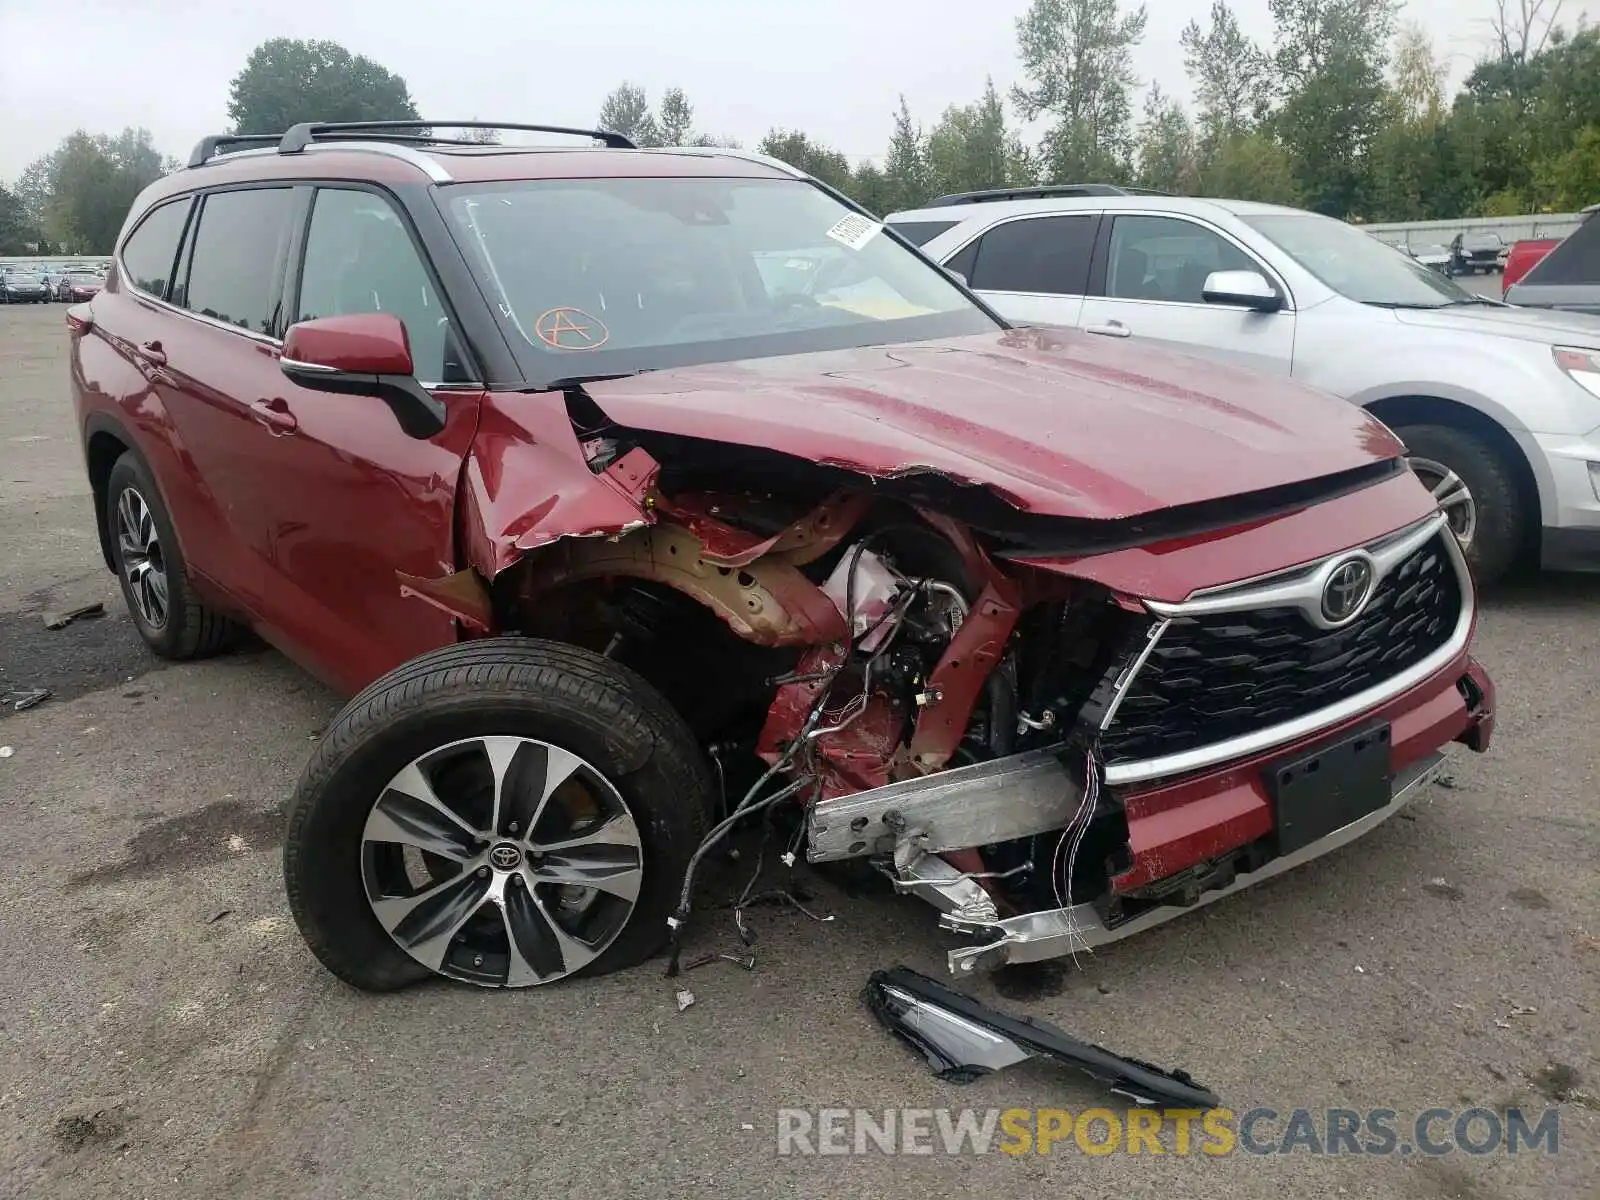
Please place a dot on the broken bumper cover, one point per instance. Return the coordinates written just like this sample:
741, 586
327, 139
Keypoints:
1194, 821
1057, 932
964, 1040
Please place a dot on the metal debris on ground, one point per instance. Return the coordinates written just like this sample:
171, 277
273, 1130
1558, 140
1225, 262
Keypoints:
6, 751
747, 961
61, 620
218, 915
963, 1039
1517, 1010
685, 998
24, 698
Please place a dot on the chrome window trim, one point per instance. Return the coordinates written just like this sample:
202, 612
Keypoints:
1235, 597
1133, 669
263, 338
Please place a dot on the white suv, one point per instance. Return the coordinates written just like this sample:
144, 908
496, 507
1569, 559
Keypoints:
1499, 406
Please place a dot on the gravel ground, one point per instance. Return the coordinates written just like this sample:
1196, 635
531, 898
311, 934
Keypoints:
165, 1033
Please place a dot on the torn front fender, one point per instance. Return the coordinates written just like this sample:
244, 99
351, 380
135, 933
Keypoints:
526, 484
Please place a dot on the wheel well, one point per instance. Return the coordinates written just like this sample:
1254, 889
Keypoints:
103, 451
1399, 411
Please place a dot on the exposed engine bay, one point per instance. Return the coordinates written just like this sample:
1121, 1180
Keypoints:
851, 650
878, 652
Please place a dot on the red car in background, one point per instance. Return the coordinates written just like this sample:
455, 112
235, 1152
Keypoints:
622, 538
1523, 257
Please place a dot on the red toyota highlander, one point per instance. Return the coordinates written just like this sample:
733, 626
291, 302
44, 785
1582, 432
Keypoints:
641, 492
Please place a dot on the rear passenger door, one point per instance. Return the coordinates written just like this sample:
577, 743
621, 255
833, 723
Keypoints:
1033, 270
1149, 283
213, 359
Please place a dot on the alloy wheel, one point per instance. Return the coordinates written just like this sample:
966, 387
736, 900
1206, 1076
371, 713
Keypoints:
502, 861
1453, 495
143, 563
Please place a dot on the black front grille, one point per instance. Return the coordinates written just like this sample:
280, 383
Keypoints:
1219, 676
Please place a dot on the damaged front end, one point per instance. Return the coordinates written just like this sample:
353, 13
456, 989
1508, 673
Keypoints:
1050, 733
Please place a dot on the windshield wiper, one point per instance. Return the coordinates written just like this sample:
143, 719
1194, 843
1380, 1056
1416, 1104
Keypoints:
1491, 302
1404, 304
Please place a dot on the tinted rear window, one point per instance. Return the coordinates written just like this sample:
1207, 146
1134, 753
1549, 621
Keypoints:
1575, 260
1048, 255
920, 233
237, 259
148, 254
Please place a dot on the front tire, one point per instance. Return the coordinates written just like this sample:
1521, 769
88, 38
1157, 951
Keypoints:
1479, 491
505, 812
150, 567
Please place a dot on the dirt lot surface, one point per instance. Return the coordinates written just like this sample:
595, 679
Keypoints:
163, 1032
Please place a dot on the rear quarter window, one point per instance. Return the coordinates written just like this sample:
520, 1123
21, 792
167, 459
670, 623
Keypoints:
920, 233
151, 249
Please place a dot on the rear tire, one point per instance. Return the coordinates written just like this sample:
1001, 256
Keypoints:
495, 692
1500, 504
150, 567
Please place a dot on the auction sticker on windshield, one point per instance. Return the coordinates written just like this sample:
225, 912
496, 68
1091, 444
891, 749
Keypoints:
854, 230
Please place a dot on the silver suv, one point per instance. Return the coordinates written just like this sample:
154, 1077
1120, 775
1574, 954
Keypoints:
1499, 406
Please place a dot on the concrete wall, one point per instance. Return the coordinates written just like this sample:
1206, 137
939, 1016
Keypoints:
1511, 229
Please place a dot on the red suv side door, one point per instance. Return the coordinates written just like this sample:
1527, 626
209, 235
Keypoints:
354, 501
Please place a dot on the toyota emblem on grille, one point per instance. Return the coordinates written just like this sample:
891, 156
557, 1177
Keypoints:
1347, 590
505, 856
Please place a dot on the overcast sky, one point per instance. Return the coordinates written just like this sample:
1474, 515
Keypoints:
834, 68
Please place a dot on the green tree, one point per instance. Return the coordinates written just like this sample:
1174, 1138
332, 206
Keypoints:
1231, 75
626, 110
676, 118
1077, 56
87, 184
1251, 166
1330, 57
907, 180
17, 232
285, 81
1168, 157
798, 150
971, 148
1419, 76
870, 189
1571, 181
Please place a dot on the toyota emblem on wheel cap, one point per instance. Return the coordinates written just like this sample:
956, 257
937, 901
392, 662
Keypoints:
504, 856
1347, 590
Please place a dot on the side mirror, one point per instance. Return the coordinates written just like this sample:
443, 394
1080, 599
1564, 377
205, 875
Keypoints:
363, 354
1246, 289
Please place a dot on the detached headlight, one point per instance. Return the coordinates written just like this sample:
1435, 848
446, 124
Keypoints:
1581, 366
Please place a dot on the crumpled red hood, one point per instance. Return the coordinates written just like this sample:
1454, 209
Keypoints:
1062, 424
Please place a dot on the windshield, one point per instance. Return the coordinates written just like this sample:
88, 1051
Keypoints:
1357, 265
600, 277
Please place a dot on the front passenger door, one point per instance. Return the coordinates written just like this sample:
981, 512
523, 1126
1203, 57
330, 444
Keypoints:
1154, 275
356, 499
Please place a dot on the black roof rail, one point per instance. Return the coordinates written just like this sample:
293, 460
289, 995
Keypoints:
302, 135
208, 147
1044, 192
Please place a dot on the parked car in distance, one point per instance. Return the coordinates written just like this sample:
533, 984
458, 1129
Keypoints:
76, 284
1567, 277
641, 488
1471, 253
1496, 405
23, 285
1436, 256
1522, 257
